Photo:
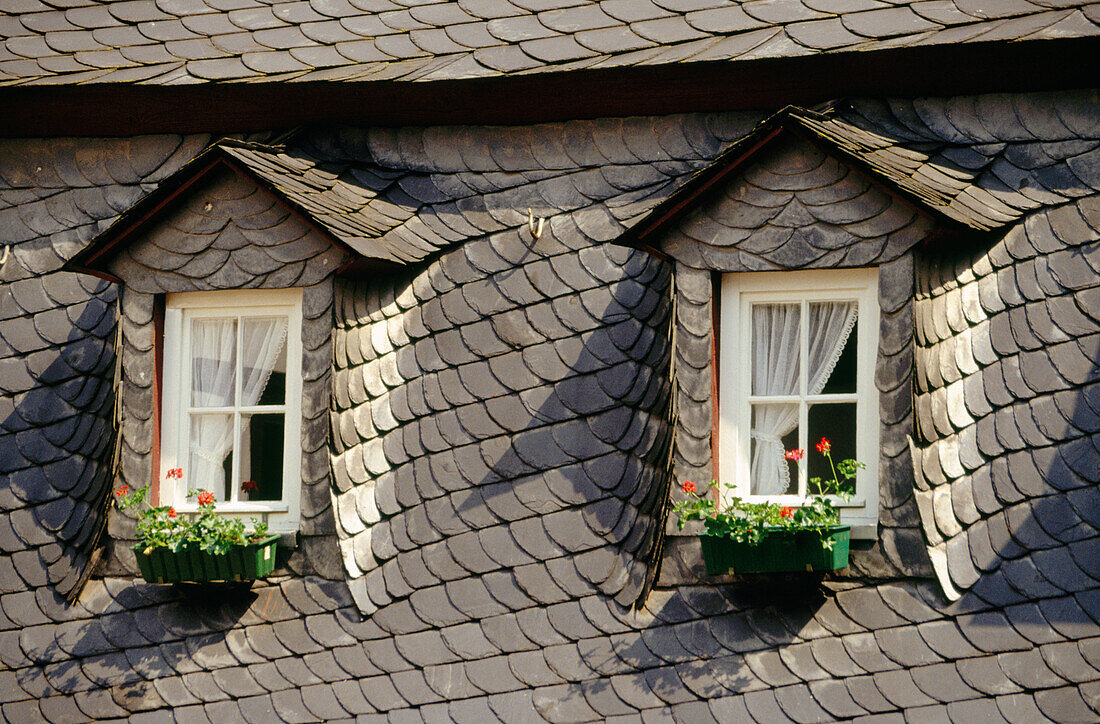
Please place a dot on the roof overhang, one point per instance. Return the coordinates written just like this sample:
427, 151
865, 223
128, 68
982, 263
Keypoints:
95, 257
790, 122
120, 109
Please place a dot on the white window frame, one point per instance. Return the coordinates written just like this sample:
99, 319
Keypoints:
739, 291
282, 516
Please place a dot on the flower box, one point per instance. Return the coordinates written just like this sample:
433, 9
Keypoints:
779, 549
240, 563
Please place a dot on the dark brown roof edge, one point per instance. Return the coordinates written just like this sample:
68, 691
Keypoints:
122, 109
646, 231
132, 221
93, 257
686, 197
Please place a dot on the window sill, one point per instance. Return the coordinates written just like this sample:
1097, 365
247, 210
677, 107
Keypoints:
236, 508
864, 531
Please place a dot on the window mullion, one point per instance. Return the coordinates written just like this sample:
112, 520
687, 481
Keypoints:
183, 414
803, 443
803, 348
803, 388
235, 472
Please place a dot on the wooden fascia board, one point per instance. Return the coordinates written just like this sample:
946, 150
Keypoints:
695, 189
119, 109
143, 213
644, 235
126, 229
366, 266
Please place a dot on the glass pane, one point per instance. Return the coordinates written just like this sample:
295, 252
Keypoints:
843, 379
775, 349
210, 459
262, 456
832, 347
774, 431
275, 391
213, 362
837, 424
263, 354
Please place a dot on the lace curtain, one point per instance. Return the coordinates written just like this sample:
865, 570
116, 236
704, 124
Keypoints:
776, 352
213, 384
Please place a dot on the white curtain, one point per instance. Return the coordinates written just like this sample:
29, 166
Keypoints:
776, 352
213, 384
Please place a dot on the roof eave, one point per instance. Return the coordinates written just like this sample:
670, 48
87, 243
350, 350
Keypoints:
53, 108
645, 234
93, 258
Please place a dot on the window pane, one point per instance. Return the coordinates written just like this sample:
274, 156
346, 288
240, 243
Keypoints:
836, 423
209, 456
832, 347
262, 456
775, 349
774, 431
843, 379
263, 351
213, 362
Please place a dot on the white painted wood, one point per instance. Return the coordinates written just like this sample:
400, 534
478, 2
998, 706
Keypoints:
281, 515
738, 293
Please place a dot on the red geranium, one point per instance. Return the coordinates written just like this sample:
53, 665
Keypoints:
689, 487
249, 485
124, 490
174, 473
824, 446
171, 512
796, 454
206, 497
786, 512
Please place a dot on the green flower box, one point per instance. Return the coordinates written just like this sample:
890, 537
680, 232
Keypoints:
239, 563
779, 550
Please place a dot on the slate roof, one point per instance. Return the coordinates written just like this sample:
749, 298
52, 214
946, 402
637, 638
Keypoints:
371, 193
296, 650
386, 208
944, 169
188, 41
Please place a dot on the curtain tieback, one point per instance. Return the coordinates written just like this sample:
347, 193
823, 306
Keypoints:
209, 457
766, 437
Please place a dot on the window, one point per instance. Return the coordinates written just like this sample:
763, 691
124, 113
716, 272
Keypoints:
231, 416
797, 363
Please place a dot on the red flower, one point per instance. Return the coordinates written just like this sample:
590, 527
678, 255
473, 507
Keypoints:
795, 454
250, 485
206, 497
174, 473
171, 512
689, 487
824, 446
786, 512
124, 490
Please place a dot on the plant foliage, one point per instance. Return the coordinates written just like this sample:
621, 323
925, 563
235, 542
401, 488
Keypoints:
162, 527
746, 522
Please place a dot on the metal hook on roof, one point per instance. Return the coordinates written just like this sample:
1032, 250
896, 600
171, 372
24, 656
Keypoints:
537, 233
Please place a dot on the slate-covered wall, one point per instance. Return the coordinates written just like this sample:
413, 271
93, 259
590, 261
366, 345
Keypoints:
297, 648
57, 351
228, 234
499, 414
1008, 407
